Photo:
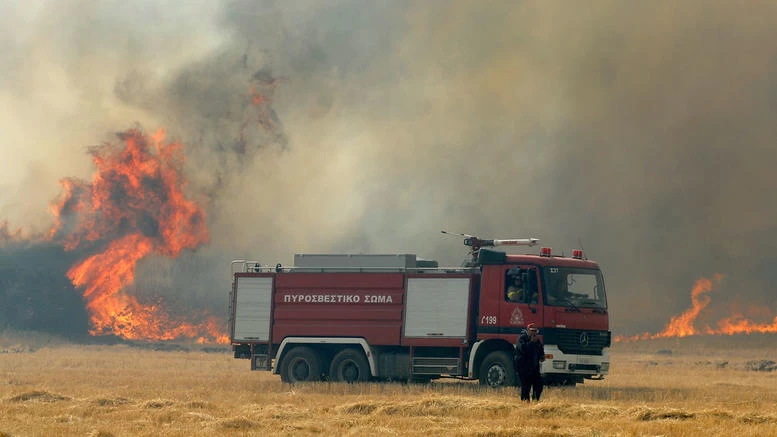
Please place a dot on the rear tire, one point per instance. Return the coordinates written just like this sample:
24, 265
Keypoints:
301, 364
496, 370
349, 365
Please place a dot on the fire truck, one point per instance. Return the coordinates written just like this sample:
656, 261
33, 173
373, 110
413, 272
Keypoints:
356, 317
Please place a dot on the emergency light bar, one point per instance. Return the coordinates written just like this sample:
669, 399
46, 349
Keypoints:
577, 254
545, 251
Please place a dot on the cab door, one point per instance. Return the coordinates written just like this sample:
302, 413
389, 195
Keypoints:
515, 312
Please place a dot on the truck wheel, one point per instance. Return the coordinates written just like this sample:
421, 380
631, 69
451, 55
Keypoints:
496, 370
300, 364
349, 365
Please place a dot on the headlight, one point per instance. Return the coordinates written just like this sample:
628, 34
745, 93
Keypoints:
605, 367
559, 364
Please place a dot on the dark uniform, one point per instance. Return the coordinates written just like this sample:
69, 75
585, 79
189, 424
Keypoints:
529, 355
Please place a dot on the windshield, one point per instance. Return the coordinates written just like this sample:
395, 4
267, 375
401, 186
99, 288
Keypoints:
573, 287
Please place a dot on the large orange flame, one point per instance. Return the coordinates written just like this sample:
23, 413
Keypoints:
687, 323
134, 207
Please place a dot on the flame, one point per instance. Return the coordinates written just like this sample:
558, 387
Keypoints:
740, 324
686, 324
683, 325
133, 208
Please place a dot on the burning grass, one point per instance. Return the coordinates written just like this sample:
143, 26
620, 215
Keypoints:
122, 390
695, 320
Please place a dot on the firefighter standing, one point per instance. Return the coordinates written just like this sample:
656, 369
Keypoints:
529, 354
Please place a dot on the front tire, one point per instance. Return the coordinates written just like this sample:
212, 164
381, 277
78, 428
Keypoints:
496, 370
301, 364
349, 365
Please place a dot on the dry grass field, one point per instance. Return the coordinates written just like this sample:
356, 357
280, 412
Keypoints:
689, 387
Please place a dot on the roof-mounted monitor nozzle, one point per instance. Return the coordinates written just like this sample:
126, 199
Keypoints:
476, 243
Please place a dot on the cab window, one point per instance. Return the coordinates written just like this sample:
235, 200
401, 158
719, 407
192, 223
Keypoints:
574, 287
521, 286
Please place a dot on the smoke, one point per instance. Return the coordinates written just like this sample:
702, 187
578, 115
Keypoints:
35, 294
643, 131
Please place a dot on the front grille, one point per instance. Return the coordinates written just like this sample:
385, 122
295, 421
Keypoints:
577, 341
592, 367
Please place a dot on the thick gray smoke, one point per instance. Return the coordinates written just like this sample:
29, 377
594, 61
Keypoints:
645, 131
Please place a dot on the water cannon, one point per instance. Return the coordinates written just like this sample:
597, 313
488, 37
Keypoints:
476, 243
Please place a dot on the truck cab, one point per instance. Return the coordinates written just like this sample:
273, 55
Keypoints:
564, 296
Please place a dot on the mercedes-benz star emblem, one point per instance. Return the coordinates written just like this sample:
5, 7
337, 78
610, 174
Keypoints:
584, 339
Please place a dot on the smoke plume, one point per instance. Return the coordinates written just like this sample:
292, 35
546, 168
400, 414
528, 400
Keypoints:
643, 131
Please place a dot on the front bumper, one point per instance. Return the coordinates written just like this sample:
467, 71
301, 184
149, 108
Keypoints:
569, 364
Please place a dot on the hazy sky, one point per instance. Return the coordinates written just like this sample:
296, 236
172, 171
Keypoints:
645, 129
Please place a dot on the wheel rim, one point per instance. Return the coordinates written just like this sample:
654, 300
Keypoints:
496, 375
300, 370
349, 371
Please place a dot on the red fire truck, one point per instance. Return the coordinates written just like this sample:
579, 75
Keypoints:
398, 317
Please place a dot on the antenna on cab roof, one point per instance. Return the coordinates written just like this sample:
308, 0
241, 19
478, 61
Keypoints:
580, 241
476, 243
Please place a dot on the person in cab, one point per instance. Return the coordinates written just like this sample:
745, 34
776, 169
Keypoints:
516, 291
